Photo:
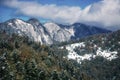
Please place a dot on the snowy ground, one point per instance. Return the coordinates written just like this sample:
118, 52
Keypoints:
104, 53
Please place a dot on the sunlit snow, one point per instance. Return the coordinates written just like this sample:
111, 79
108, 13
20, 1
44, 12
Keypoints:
103, 53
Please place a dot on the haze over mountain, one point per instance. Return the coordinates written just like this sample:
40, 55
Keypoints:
50, 32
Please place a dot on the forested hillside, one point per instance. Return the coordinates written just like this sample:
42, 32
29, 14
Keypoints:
22, 59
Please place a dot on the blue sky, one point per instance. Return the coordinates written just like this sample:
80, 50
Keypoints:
92, 12
8, 12
81, 3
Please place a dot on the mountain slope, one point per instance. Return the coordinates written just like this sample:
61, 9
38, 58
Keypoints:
98, 56
49, 33
33, 29
22, 59
82, 30
104, 45
57, 33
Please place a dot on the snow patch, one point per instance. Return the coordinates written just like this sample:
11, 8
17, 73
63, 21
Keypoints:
106, 54
10, 24
79, 58
3, 67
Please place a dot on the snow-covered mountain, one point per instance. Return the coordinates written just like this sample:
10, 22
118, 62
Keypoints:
50, 32
57, 33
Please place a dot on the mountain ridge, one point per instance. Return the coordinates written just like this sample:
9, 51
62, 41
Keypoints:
49, 33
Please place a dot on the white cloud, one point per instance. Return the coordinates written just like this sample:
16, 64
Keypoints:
105, 12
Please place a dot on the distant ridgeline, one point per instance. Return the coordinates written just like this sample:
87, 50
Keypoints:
49, 33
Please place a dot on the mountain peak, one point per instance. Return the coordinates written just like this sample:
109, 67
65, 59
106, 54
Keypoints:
34, 21
15, 20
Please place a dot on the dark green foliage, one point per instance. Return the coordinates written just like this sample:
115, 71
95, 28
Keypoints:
101, 69
41, 75
5, 44
22, 59
80, 51
55, 76
17, 44
5, 73
15, 56
27, 60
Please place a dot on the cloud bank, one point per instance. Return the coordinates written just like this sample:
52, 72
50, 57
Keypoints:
104, 13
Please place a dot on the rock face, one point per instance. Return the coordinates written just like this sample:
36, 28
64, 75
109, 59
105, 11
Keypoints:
48, 33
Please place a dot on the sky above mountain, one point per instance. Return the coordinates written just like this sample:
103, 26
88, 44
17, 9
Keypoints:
105, 13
